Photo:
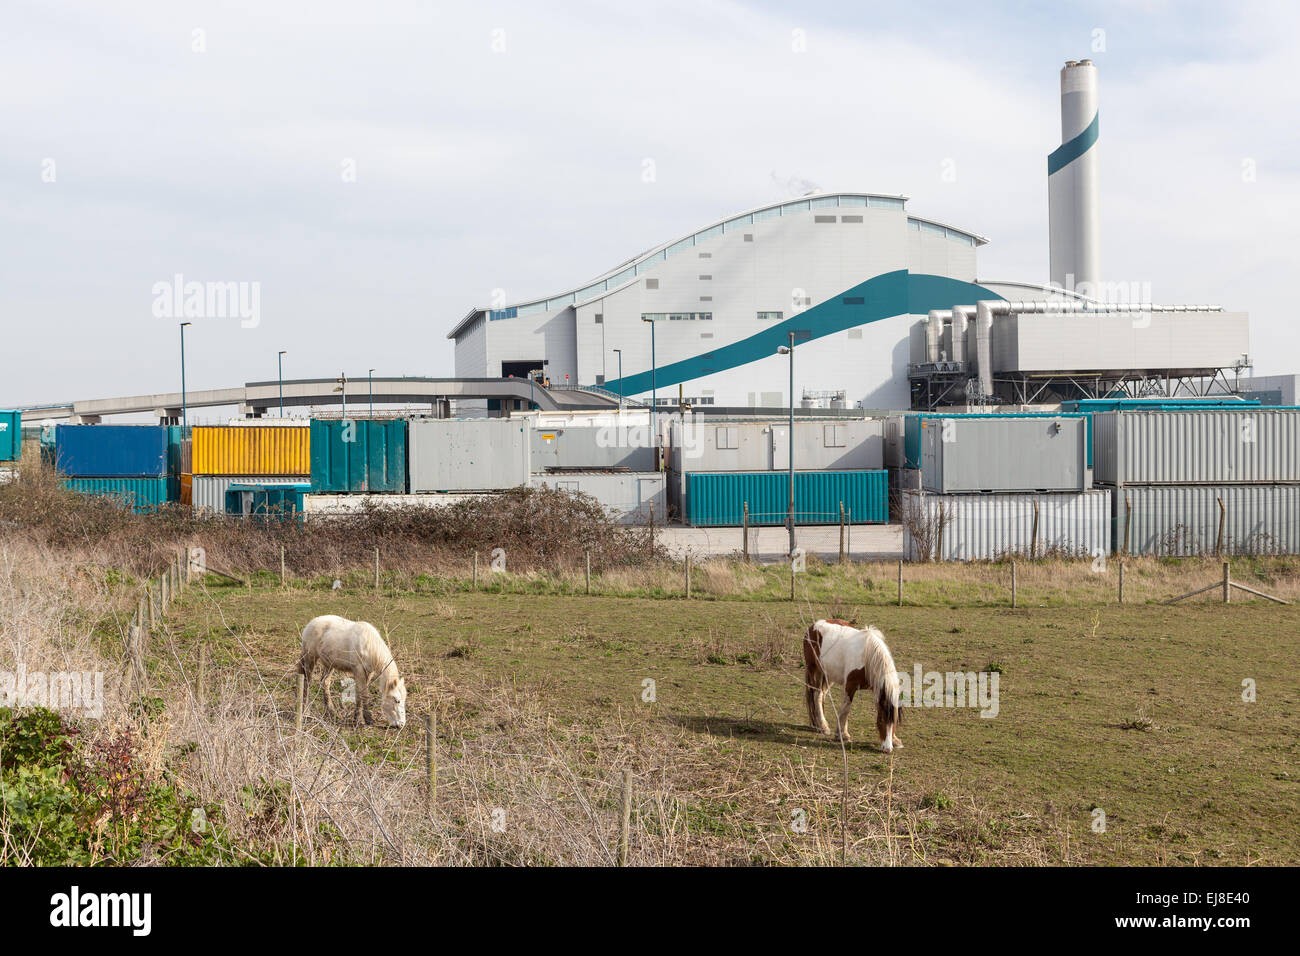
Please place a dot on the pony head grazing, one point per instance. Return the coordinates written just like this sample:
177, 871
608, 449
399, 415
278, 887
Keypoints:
393, 702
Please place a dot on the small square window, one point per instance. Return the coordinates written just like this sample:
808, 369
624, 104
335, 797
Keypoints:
652, 283
749, 237
600, 318
706, 255
600, 380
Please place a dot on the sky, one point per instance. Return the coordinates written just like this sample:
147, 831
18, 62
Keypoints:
371, 172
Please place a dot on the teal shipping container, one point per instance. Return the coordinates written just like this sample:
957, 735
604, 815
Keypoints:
718, 499
177, 435
141, 494
11, 435
265, 502
358, 456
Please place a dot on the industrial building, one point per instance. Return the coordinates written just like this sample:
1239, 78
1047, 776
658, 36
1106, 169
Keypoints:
888, 307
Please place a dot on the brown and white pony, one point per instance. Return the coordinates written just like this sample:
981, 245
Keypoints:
835, 652
354, 647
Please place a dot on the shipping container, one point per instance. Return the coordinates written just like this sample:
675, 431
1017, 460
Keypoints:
282, 450
11, 435
715, 499
628, 447
208, 492
895, 439
1222, 446
1183, 520
142, 494
358, 455
913, 425
111, 451
985, 527
482, 454
349, 504
1004, 454
178, 436
701, 445
1096, 405
267, 502
627, 497
187, 490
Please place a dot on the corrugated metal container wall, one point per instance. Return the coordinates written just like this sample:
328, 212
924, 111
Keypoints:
209, 491
177, 437
111, 451
1004, 454
467, 454
187, 489
829, 445
1197, 446
628, 497
11, 435
143, 494
1183, 520
593, 446
358, 456
984, 527
715, 499
251, 450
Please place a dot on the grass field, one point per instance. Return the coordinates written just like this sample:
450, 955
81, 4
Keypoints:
1136, 711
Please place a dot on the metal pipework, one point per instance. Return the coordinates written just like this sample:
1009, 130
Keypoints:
961, 316
934, 333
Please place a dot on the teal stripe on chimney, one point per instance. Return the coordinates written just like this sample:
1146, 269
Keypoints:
1067, 153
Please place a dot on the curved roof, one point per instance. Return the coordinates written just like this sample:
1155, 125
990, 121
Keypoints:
626, 272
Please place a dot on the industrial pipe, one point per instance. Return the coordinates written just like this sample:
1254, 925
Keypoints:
961, 316
934, 333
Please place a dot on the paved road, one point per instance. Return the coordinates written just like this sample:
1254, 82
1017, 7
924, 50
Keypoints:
866, 542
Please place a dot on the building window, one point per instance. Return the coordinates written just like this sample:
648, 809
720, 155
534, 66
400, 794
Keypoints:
654, 316
727, 437
652, 283
706, 335
690, 316
600, 318
850, 218
823, 218
770, 316
833, 436
749, 237
705, 278
706, 255
706, 298
600, 380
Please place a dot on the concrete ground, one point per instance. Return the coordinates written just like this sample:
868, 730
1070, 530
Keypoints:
864, 542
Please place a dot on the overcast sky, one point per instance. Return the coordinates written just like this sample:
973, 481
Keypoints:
379, 168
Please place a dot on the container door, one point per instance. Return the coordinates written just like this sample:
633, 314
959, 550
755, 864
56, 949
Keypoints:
780, 447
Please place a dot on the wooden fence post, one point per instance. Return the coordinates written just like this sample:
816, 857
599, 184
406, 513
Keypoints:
1223, 515
744, 531
625, 831
841, 532
938, 548
1227, 589
1128, 525
1033, 538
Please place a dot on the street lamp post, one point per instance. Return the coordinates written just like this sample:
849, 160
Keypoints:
185, 412
343, 387
654, 393
789, 513
279, 362
371, 376
620, 380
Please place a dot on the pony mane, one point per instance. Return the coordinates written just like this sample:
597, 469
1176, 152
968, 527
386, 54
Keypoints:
878, 662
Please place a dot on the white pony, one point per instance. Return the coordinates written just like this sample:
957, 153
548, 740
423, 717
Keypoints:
835, 652
354, 647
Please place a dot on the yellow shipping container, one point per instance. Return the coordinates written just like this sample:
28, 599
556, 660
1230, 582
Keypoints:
187, 489
252, 450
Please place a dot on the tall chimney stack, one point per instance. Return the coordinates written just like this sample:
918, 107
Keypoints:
1073, 194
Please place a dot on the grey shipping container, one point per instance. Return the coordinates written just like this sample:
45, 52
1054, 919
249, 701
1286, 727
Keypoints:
838, 445
628, 497
1181, 520
482, 454
208, 492
984, 527
1004, 454
1209, 446
593, 446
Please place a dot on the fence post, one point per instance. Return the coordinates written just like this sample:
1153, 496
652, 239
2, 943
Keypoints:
297, 718
900, 583
1013, 583
841, 532
938, 548
1128, 524
1121, 582
430, 763
744, 532
588, 556
625, 831
1223, 514
791, 560
1227, 587
1033, 538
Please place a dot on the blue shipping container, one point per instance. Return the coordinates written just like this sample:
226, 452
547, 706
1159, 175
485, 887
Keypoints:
11, 435
718, 499
111, 451
142, 494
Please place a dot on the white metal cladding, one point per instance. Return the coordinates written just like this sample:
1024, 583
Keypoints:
984, 527
593, 446
468, 455
1004, 454
820, 445
627, 497
1197, 446
1184, 519
208, 492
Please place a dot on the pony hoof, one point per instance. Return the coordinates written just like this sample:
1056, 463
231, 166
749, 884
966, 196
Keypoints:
886, 747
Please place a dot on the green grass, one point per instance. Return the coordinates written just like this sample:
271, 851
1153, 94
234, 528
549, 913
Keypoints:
1134, 709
